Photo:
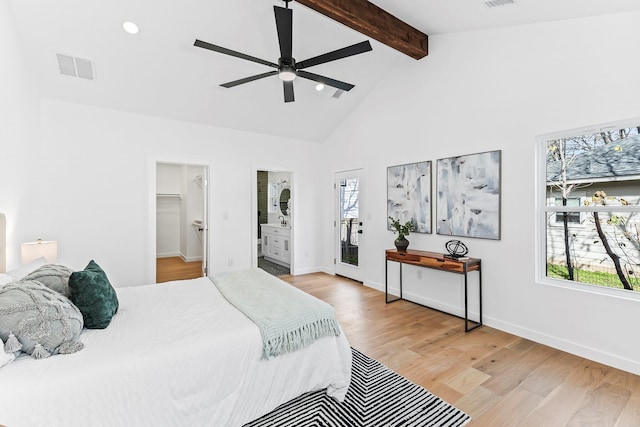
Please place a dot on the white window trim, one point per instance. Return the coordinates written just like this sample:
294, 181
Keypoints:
542, 210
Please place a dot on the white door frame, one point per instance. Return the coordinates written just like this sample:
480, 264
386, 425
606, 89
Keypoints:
343, 269
153, 213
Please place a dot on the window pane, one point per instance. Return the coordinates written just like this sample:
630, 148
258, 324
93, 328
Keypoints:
349, 220
588, 255
572, 217
605, 249
597, 157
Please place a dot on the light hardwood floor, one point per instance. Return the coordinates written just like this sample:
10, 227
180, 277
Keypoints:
499, 379
174, 268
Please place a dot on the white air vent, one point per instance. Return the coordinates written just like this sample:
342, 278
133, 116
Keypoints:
496, 3
338, 93
75, 67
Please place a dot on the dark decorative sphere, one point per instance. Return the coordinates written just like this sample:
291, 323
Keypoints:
456, 248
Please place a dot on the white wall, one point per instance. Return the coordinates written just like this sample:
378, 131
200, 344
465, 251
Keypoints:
19, 131
94, 176
497, 90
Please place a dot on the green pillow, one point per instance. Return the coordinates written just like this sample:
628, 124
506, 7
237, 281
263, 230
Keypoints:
92, 293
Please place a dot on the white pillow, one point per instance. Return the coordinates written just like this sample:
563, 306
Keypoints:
5, 357
21, 272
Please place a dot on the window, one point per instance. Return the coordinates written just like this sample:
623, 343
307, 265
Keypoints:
594, 176
573, 218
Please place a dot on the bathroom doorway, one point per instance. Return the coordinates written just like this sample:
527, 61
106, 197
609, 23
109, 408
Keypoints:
181, 221
273, 216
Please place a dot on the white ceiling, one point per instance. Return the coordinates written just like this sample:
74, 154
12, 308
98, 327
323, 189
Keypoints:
159, 72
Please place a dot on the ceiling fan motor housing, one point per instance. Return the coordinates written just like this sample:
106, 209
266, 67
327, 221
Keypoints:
287, 69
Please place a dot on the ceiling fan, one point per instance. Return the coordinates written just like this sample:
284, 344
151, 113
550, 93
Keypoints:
287, 68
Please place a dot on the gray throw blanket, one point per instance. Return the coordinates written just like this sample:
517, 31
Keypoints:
288, 318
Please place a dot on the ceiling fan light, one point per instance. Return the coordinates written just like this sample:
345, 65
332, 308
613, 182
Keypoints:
287, 75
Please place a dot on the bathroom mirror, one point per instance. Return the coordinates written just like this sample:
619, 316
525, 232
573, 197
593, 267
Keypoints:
285, 195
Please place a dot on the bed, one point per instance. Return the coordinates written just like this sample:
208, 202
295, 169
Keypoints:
175, 354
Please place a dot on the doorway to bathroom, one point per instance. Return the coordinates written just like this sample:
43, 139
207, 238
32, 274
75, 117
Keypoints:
181, 221
274, 220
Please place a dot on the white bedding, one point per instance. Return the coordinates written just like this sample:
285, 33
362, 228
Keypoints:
175, 354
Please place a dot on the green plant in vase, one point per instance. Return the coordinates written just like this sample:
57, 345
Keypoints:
402, 230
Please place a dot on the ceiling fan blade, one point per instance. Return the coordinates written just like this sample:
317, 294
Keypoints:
284, 23
249, 79
355, 49
288, 91
325, 80
213, 47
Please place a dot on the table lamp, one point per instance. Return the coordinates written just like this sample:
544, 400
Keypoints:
40, 248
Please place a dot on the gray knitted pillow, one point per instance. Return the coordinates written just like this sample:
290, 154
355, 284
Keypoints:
53, 276
38, 320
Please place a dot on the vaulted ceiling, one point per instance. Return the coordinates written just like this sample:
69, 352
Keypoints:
159, 72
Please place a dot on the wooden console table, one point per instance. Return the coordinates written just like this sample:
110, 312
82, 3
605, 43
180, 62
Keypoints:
437, 261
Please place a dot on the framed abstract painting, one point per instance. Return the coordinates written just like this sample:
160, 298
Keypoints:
409, 195
468, 195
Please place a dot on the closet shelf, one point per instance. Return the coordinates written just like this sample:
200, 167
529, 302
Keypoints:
169, 195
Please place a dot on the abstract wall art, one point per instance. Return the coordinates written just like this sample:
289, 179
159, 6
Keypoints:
409, 195
468, 195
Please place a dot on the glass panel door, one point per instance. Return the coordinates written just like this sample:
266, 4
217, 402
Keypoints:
349, 220
349, 224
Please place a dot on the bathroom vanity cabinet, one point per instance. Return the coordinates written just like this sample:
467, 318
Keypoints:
276, 244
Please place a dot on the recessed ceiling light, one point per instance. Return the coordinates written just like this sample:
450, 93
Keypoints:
130, 27
319, 87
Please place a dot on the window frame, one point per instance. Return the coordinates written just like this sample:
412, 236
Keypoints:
542, 211
570, 208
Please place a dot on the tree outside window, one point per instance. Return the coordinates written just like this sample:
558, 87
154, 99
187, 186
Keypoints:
592, 180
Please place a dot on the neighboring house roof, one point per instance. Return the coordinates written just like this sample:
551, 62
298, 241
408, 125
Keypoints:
605, 163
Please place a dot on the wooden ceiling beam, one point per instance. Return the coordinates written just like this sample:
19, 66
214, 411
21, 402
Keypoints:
372, 21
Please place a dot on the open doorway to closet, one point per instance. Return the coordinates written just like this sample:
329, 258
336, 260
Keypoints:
181, 221
274, 221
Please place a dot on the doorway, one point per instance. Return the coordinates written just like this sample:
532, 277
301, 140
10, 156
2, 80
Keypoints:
274, 220
181, 221
349, 251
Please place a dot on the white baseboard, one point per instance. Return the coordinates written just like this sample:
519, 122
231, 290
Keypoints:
577, 349
190, 259
310, 270
168, 255
428, 302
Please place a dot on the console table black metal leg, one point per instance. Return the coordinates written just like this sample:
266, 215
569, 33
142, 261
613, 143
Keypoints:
480, 289
466, 311
400, 280
386, 283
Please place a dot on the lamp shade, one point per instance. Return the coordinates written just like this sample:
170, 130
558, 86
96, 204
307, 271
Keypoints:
40, 248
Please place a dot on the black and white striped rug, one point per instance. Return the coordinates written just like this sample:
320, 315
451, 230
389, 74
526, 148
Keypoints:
377, 397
